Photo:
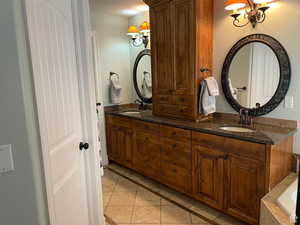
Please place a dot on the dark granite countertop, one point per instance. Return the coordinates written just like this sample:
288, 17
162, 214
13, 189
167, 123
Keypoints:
264, 133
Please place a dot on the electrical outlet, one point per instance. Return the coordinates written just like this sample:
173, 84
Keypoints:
289, 102
6, 159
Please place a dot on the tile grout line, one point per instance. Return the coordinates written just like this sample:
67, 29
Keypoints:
160, 210
133, 209
164, 197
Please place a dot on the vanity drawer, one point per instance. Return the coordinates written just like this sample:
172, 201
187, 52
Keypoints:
208, 140
176, 153
183, 100
147, 127
147, 137
174, 110
176, 177
119, 121
163, 99
175, 133
246, 149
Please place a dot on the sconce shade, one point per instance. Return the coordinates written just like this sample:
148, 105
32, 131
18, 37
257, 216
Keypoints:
235, 4
132, 30
145, 26
262, 1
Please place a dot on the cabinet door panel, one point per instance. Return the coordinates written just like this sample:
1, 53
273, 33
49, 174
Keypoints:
163, 78
176, 177
184, 45
128, 148
147, 154
120, 144
208, 171
115, 137
176, 153
245, 188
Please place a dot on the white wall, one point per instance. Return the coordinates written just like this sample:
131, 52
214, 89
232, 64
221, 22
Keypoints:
282, 23
114, 52
22, 191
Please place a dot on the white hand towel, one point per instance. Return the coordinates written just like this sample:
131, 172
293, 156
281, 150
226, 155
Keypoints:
147, 85
115, 89
213, 87
207, 103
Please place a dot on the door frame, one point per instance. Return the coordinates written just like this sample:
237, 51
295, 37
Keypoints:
82, 29
83, 45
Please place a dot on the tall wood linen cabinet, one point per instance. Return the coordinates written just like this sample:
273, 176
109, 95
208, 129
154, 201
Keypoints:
181, 41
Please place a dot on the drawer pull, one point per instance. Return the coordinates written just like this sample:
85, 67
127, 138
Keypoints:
174, 145
174, 133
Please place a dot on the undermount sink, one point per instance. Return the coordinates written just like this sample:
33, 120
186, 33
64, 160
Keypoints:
129, 112
237, 129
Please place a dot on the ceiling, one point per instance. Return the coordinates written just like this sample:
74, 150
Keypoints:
125, 8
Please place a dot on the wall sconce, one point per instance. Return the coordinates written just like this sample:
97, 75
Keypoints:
253, 11
141, 36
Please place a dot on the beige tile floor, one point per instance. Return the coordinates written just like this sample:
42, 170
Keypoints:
128, 203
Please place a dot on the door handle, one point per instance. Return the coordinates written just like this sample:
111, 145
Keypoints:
84, 146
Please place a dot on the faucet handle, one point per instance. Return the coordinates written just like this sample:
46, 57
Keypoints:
137, 101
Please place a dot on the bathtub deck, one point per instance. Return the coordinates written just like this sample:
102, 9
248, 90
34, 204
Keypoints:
271, 213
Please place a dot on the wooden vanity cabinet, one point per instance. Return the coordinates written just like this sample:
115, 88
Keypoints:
228, 174
181, 44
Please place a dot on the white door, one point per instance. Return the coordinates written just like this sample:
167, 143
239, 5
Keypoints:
265, 74
52, 46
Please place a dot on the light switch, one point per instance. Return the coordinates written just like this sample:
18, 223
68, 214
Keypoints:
6, 159
289, 102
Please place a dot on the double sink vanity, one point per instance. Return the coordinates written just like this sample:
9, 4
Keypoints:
226, 161
229, 170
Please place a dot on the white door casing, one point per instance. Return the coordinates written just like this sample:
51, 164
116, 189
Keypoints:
51, 38
99, 97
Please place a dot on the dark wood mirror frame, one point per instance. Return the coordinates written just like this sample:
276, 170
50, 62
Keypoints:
143, 53
284, 80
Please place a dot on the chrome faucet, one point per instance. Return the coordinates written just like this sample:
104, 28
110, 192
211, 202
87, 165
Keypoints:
245, 118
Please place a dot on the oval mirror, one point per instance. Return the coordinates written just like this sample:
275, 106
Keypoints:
142, 76
256, 74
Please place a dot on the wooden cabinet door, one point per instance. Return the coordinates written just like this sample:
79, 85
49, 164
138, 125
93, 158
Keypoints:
183, 24
161, 40
245, 187
208, 175
120, 144
128, 146
115, 137
147, 154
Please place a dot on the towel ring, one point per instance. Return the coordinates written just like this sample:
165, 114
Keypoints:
113, 73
